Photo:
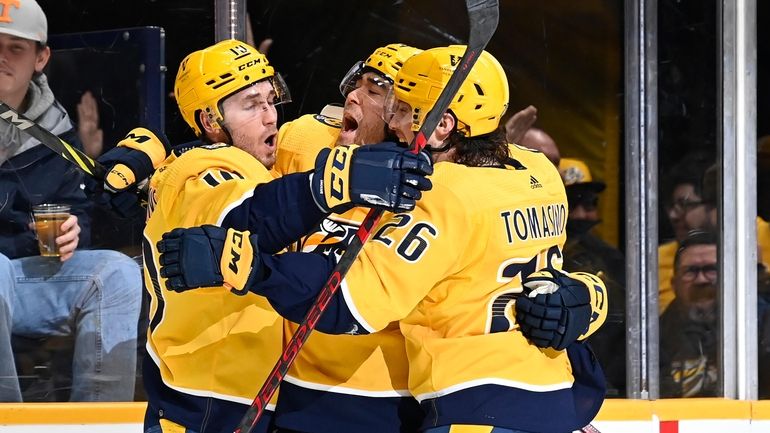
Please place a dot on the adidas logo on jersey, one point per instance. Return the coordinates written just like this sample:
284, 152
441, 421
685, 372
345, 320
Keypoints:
533, 183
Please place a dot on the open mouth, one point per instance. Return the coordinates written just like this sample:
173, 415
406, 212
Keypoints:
270, 140
349, 124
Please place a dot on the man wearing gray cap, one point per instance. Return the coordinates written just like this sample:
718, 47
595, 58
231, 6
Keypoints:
93, 296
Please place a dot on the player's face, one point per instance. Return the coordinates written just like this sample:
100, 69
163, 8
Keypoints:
695, 282
684, 202
401, 121
252, 121
400, 114
19, 60
362, 116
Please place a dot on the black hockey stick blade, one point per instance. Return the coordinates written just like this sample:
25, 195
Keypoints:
51, 141
483, 18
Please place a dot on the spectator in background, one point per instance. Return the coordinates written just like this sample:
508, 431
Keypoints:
93, 295
709, 218
537, 139
586, 252
89, 132
685, 211
519, 130
518, 124
688, 327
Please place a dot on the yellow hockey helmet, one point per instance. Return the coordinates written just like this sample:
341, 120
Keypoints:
385, 60
478, 105
206, 77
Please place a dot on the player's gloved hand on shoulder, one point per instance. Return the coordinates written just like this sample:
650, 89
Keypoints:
556, 310
385, 176
209, 256
133, 159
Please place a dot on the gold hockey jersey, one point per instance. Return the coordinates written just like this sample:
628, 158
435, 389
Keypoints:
373, 365
208, 342
300, 140
451, 270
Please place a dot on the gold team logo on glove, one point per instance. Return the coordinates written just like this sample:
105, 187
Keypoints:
234, 272
337, 171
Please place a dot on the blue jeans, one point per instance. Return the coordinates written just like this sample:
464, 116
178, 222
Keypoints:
94, 296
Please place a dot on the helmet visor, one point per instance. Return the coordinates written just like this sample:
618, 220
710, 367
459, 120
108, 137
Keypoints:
282, 94
390, 106
349, 83
353, 77
397, 114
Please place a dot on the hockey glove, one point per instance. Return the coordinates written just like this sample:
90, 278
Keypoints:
209, 256
556, 310
133, 159
384, 176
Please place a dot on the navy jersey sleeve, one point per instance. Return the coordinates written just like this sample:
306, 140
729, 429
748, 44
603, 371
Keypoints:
292, 283
280, 212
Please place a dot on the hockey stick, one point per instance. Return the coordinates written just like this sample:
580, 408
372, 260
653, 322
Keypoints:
483, 17
67, 151
51, 141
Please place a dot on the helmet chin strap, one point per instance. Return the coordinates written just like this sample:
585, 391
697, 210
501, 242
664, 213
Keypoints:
448, 143
441, 149
227, 133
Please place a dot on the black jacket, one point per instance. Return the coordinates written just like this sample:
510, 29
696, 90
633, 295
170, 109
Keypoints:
35, 176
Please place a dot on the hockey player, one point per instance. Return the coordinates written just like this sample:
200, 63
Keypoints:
208, 353
485, 330
341, 383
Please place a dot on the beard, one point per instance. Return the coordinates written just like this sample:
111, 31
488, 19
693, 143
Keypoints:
703, 307
704, 315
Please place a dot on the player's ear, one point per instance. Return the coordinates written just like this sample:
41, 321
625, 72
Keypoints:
445, 126
211, 130
206, 124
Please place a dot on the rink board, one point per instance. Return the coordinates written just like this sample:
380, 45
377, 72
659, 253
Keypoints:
616, 416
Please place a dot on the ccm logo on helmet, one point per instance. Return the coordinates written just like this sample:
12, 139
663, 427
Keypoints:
248, 64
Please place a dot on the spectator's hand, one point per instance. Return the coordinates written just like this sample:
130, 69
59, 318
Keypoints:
519, 123
384, 176
209, 256
265, 45
88, 125
68, 241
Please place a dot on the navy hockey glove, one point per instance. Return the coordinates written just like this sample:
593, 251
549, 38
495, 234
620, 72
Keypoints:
209, 256
384, 176
126, 204
556, 310
133, 159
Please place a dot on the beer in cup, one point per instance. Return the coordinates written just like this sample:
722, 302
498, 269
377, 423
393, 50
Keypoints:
48, 219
